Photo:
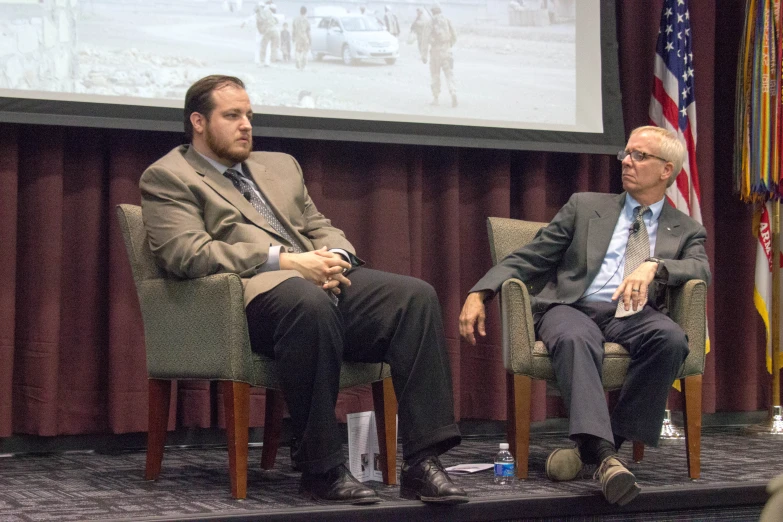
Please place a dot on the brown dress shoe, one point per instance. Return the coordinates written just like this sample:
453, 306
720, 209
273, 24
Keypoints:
429, 482
336, 486
564, 464
617, 483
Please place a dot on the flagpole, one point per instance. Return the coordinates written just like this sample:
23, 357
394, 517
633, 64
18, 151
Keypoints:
775, 349
774, 423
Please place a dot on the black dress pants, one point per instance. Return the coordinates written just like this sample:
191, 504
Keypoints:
381, 317
574, 336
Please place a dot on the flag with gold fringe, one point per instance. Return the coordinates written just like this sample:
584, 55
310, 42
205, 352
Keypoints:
762, 293
757, 121
758, 139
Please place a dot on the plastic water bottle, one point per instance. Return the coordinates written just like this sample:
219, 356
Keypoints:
504, 466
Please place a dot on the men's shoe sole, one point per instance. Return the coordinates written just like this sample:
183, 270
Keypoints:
410, 494
630, 495
354, 502
622, 487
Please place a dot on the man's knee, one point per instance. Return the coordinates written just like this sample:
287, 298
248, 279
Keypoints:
413, 292
311, 302
574, 342
673, 342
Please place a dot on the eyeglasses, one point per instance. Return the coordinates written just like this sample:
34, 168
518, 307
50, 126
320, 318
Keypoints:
638, 156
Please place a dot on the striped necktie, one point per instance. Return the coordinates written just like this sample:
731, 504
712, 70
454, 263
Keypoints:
637, 250
247, 190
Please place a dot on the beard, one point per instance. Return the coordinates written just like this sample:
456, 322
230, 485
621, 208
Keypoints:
227, 149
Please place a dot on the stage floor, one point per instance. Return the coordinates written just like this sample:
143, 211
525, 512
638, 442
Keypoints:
194, 485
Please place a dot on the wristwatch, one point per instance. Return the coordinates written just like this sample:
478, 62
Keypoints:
661, 273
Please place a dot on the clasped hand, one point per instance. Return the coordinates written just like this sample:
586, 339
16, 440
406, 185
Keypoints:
634, 289
324, 268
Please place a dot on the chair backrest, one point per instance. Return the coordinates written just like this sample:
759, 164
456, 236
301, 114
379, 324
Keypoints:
141, 258
507, 235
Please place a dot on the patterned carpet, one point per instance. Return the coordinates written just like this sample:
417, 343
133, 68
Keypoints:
194, 484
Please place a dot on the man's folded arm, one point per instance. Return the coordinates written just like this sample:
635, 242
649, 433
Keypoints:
178, 238
692, 262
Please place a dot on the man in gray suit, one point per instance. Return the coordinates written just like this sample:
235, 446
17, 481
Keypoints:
214, 206
606, 258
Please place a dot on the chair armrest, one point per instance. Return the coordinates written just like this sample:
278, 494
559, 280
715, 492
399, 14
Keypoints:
196, 328
519, 335
688, 308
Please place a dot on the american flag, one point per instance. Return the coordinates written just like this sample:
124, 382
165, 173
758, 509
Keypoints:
673, 105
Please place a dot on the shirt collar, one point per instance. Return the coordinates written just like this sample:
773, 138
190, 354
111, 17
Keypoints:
631, 203
220, 167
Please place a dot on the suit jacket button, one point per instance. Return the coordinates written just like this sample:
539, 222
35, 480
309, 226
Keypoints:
290, 250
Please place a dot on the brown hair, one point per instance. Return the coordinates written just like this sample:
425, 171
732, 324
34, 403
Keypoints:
199, 97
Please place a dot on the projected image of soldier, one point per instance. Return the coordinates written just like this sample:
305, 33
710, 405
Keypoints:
270, 43
420, 29
285, 43
302, 41
442, 39
391, 22
265, 21
268, 26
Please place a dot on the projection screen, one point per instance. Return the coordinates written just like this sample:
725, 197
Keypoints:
521, 74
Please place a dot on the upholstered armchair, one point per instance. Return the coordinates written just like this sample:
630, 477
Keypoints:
525, 358
197, 329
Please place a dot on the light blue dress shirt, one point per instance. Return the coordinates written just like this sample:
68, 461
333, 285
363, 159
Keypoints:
610, 275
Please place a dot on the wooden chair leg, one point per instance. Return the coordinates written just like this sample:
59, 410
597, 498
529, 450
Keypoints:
691, 387
638, 451
385, 402
159, 399
518, 397
273, 427
236, 400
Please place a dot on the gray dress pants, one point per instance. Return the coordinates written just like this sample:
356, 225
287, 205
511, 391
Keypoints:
574, 336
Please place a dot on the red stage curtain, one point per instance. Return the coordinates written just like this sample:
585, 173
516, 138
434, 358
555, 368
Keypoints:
71, 341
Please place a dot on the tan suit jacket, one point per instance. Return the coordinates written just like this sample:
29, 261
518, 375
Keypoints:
199, 224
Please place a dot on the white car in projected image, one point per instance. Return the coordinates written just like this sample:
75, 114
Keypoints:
353, 37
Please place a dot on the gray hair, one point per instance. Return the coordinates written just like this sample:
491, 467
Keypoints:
669, 147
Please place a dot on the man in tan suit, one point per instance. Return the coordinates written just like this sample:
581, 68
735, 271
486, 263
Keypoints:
215, 206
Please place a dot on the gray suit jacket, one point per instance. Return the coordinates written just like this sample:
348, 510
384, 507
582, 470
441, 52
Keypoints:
566, 255
199, 224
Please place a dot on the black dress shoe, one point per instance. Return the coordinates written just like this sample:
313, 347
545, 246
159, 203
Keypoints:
336, 486
429, 482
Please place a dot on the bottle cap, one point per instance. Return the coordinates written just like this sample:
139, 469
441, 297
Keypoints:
504, 445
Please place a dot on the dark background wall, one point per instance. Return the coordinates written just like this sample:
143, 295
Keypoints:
71, 340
